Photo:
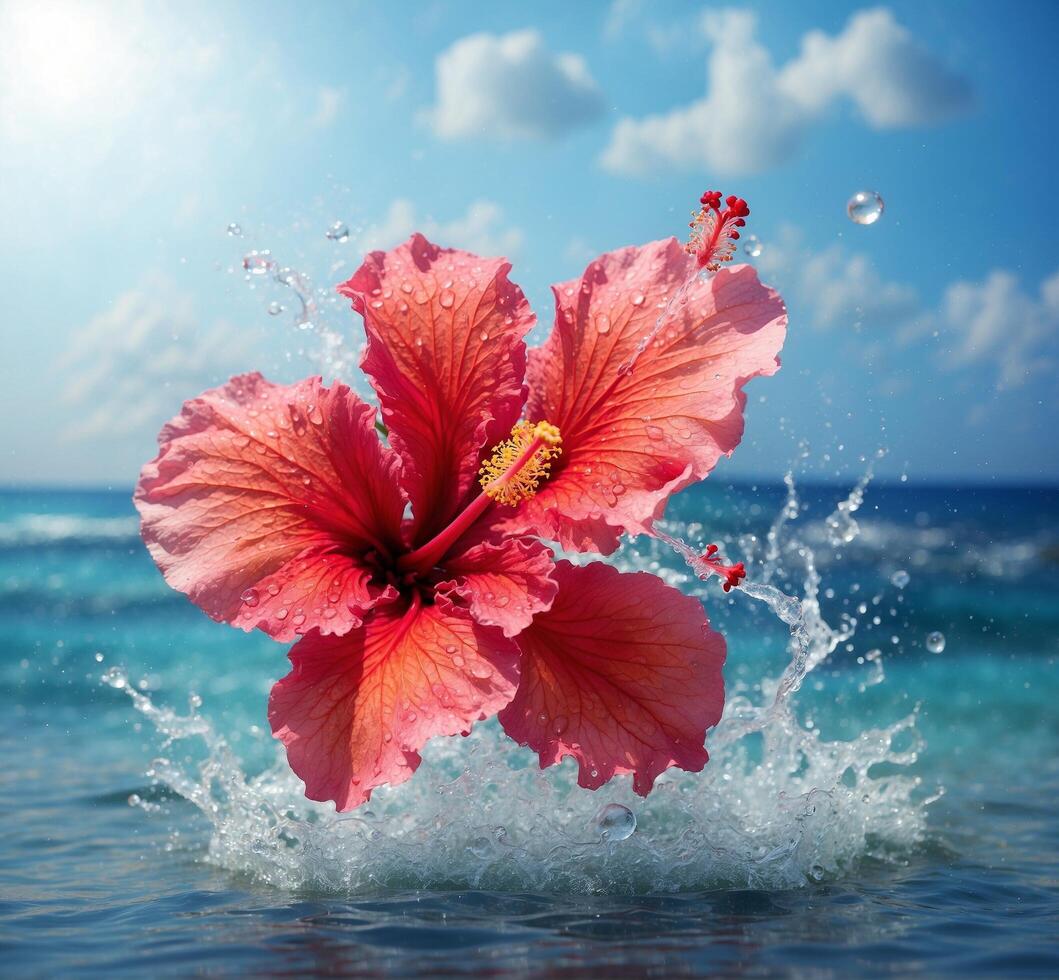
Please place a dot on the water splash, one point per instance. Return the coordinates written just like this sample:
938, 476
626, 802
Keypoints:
778, 805
311, 312
842, 528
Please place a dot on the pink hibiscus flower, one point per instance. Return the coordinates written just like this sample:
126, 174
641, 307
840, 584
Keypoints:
413, 575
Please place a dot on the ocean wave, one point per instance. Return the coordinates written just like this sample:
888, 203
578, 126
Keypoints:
952, 549
69, 530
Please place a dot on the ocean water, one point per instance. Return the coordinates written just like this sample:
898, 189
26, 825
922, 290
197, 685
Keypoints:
874, 805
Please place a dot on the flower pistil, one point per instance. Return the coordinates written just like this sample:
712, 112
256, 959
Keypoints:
512, 473
519, 464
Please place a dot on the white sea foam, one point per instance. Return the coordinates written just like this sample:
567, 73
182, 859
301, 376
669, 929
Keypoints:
776, 807
49, 529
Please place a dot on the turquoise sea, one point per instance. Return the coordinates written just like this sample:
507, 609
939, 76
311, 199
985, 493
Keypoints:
883, 808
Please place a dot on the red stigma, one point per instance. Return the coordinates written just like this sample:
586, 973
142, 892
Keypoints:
732, 574
713, 229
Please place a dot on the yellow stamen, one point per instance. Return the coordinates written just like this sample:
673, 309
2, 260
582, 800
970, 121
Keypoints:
520, 463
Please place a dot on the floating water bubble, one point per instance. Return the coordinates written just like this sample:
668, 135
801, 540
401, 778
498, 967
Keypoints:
234, 230
259, 263
275, 308
615, 822
900, 578
865, 207
936, 641
338, 232
752, 246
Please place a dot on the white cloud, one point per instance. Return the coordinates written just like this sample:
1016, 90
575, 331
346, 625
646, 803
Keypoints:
620, 15
129, 368
992, 324
755, 116
838, 288
480, 229
511, 87
397, 79
632, 17
996, 320
579, 252
328, 105
878, 64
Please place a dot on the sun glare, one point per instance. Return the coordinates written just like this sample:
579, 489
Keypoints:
64, 59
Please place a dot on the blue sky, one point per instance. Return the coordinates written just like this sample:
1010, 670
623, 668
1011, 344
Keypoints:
131, 135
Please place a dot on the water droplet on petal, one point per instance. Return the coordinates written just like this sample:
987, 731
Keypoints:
615, 822
559, 725
447, 298
935, 641
250, 597
752, 246
602, 323
638, 299
865, 207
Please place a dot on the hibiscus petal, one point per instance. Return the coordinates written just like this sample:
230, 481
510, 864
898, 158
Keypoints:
504, 581
262, 500
447, 359
623, 673
630, 440
355, 710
